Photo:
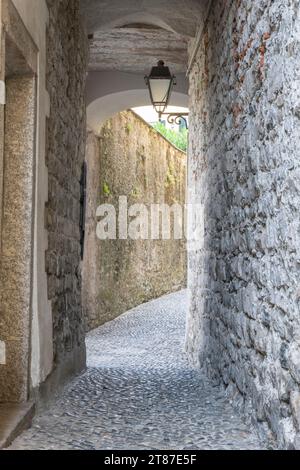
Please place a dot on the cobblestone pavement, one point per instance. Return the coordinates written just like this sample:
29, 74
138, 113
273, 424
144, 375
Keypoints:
139, 392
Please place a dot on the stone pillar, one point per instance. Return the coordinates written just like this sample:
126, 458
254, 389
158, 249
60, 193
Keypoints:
17, 236
2, 103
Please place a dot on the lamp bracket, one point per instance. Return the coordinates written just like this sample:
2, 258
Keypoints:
175, 118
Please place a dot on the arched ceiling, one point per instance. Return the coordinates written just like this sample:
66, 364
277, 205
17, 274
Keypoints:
128, 37
179, 16
105, 107
137, 49
109, 92
132, 35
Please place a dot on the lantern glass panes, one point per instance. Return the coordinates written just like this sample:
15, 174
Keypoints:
160, 83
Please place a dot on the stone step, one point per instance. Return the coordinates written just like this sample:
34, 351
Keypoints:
14, 419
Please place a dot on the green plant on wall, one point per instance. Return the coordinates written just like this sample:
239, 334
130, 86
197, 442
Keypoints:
171, 176
170, 180
177, 138
128, 128
135, 192
106, 189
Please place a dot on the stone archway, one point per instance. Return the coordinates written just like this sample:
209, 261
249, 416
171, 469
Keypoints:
105, 107
132, 167
110, 93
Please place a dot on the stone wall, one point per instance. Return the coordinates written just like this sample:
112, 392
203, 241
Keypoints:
66, 129
244, 322
130, 159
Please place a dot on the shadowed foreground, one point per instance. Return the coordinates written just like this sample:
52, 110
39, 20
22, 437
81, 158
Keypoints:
139, 392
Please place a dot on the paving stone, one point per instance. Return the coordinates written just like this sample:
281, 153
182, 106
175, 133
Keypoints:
140, 392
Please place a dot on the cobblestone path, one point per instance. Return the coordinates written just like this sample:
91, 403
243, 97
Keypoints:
139, 392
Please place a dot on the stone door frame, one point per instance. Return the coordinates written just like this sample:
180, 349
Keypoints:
18, 111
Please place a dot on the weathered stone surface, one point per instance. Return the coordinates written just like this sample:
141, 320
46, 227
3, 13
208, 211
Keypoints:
244, 273
17, 234
66, 129
130, 159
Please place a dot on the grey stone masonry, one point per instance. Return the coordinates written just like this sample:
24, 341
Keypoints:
66, 129
244, 322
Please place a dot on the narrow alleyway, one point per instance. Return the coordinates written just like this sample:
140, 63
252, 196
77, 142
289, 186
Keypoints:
140, 393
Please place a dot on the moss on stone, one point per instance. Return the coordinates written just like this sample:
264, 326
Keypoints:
106, 189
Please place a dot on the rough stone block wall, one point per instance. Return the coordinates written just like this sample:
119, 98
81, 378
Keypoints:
66, 132
244, 322
130, 159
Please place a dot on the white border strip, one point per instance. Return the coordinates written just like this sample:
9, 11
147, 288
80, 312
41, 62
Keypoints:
2, 92
198, 37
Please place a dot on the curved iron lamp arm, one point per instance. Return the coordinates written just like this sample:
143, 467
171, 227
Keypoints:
175, 118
